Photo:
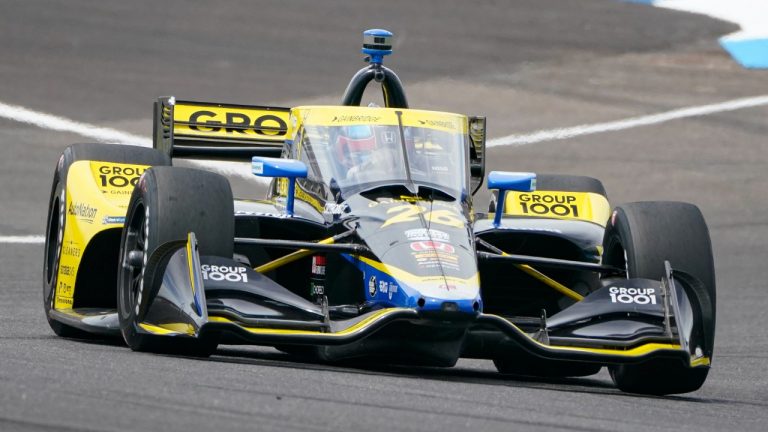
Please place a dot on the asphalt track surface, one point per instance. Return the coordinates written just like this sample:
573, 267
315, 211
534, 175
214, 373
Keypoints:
528, 65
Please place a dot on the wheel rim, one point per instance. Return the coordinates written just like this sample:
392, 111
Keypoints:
137, 231
615, 254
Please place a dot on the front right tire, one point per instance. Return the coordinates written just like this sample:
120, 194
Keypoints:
640, 237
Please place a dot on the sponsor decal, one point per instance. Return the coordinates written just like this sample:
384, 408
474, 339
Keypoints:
428, 245
355, 118
388, 137
317, 277
335, 209
639, 296
426, 234
109, 220
63, 301
120, 177
82, 211
372, 286
258, 167
67, 270
447, 124
448, 287
434, 260
392, 290
560, 204
387, 288
64, 289
237, 122
318, 265
224, 273
586, 206
431, 254
70, 248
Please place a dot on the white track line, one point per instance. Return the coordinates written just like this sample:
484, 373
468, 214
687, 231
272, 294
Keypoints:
110, 136
35, 239
587, 129
48, 121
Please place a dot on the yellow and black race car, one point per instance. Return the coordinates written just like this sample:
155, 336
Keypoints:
368, 246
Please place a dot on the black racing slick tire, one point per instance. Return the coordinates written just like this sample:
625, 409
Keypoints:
640, 237
56, 220
167, 204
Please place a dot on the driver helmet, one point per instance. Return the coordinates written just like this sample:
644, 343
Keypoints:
355, 145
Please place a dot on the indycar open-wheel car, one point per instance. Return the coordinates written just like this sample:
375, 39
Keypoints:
368, 246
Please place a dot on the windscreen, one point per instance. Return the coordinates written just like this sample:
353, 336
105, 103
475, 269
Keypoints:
362, 156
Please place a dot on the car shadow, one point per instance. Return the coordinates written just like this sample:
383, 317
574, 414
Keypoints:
459, 374
260, 356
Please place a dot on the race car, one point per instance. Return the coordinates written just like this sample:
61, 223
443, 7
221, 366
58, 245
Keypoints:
368, 246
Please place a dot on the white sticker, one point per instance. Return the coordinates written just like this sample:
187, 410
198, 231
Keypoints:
639, 296
224, 273
426, 234
258, 168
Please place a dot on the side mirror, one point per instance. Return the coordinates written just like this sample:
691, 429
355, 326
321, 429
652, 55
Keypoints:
504, 181
278, 167
476, 152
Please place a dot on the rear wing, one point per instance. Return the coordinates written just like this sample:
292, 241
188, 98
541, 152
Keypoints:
186, 128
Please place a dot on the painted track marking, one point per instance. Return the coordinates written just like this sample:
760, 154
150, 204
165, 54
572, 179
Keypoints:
632, 122
48, 121
112, 136
34, 239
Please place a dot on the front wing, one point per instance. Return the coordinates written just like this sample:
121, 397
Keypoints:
178, 307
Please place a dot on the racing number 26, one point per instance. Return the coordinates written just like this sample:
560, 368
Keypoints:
407, 213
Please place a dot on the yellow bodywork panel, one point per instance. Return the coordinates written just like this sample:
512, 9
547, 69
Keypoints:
586, 206
96, 199
168, 328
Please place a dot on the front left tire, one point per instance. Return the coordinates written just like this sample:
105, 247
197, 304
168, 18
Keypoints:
166, 205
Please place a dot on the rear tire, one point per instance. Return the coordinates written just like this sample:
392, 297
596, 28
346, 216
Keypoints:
640, 237
124, 154
166, 205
